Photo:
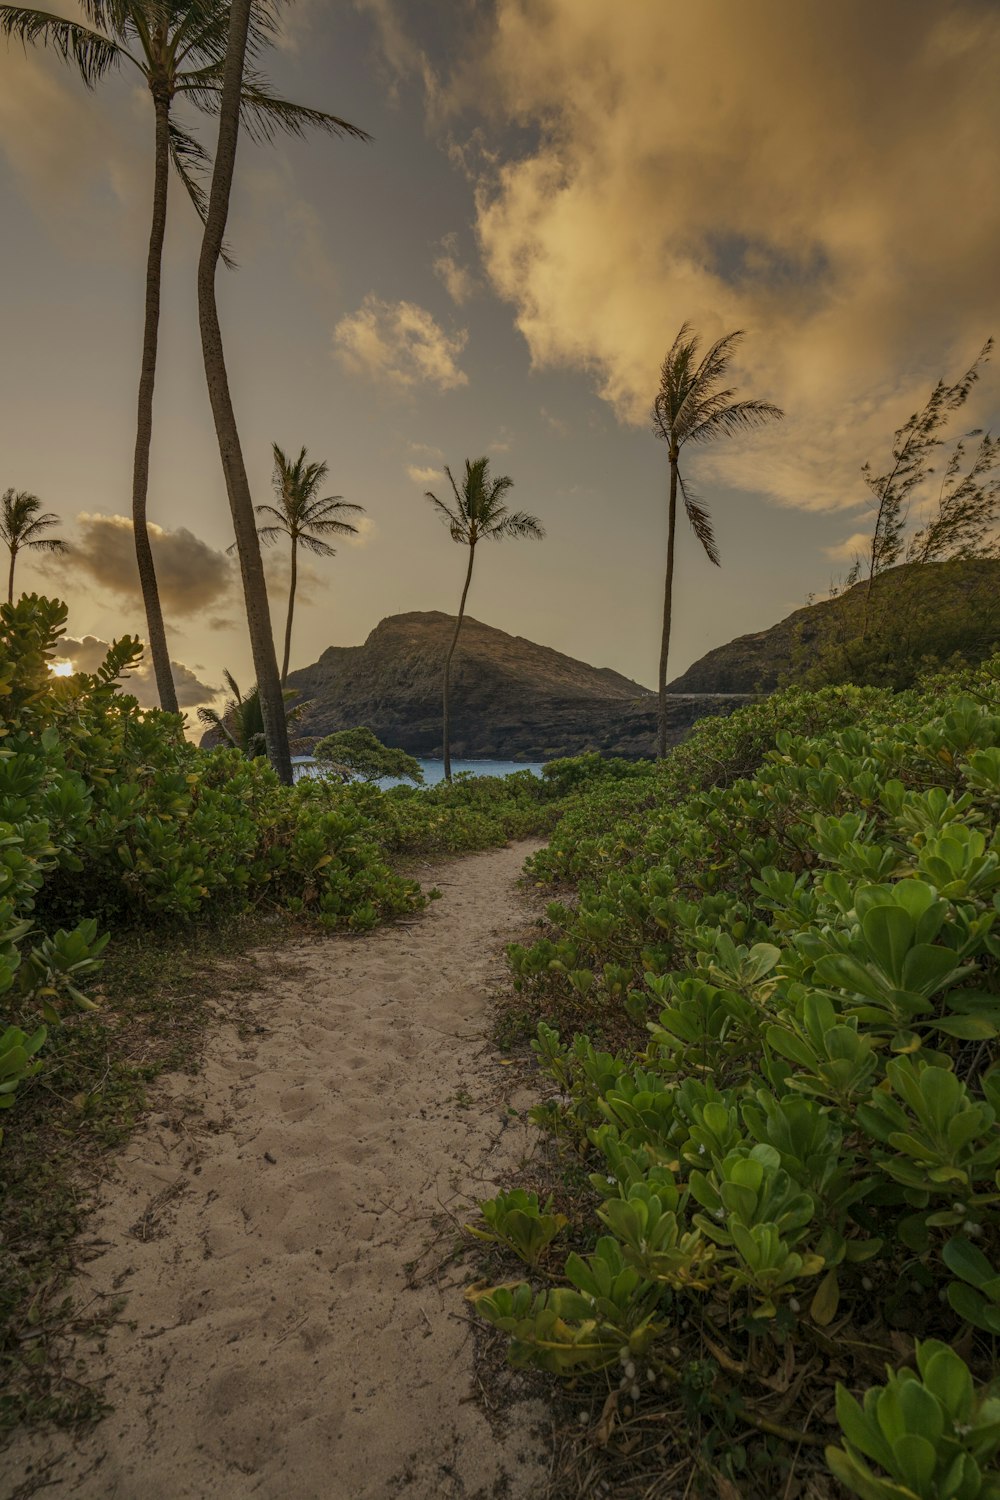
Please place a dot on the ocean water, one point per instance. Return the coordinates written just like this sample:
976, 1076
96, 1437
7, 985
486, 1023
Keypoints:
433, 770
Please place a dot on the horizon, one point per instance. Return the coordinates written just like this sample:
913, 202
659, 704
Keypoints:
500, 272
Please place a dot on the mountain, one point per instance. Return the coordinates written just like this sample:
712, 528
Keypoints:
756, 663
511, 698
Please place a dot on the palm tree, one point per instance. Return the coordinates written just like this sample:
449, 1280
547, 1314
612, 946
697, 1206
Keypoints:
241, 722
693, 406
272, 704
304, 518
21, 528
478, 515
178, 47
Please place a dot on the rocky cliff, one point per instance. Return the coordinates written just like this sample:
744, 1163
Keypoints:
511, 698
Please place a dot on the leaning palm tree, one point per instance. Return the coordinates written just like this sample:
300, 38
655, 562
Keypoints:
304, 518
178, 48
21, 528
693, 406
478, 515
241, 723
272, 704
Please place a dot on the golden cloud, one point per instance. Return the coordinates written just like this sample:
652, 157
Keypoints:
401, 343
190, 574
423, 476
823, 178
458, 281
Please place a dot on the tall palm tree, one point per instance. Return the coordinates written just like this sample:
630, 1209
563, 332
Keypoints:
178, 48
272, 705
694, 406
304, 519
478, 515
21, 528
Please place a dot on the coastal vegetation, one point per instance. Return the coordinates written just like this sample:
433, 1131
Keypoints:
358, 752
476, 514
768, 1005
179, 51
917, 598
762, 1239
116, 829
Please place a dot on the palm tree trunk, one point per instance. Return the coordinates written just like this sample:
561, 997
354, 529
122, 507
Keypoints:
10, 583
291, 611
144, 424
240, 502
668, 595
447, 668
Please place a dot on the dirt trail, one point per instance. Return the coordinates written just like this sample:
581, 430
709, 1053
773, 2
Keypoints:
290, 1330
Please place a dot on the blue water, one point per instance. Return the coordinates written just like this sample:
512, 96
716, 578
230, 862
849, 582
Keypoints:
433, 770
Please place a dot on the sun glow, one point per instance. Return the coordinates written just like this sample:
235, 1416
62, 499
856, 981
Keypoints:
61, 669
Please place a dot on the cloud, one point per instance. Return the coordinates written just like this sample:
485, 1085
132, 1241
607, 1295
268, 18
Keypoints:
558, 424
459, 282
858, 544
87, 654
823, 178
401, 343
190, 574
367, 531
70, 148
423, 476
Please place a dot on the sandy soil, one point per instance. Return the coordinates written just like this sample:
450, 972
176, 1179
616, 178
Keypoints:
282, 1232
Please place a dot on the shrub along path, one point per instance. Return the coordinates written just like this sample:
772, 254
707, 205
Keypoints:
290, 1324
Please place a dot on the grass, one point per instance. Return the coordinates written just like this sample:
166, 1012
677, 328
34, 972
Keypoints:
159, 994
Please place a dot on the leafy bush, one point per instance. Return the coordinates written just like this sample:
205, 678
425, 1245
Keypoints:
359, 752
109, 817
795, 1138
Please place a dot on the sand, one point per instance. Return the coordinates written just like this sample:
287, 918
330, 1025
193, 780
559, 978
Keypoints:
283, 1230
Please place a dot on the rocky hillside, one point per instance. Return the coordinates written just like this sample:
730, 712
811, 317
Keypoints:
511, 697
757, 663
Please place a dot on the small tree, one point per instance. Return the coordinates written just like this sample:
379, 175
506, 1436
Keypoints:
241, 723
478, 514
359, 752
21, 528
694, 406
967, 505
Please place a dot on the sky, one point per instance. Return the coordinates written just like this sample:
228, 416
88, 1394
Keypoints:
553, 188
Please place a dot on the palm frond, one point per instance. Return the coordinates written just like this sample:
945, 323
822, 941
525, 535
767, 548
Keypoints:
741, 416
516, 523
316, 545
91, 52
455, 523
272, 510
701, 522
328, 527
263, 115
47, 544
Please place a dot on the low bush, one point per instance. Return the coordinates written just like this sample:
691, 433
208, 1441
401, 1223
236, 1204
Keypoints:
787, 938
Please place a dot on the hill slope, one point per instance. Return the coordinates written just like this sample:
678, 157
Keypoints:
511, 697
756, 663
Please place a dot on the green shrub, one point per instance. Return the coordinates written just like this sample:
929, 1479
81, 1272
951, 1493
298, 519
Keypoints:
109, 818
791, 932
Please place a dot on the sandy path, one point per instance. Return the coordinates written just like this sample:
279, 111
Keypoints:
277, 1340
